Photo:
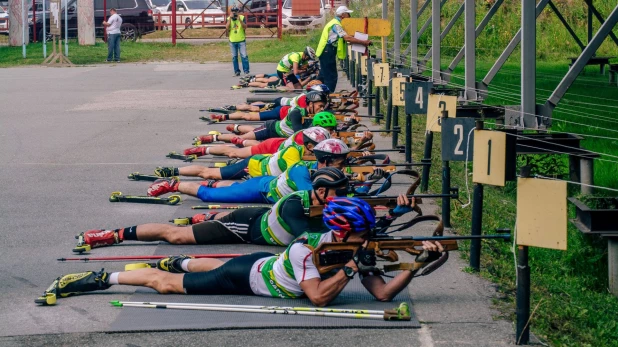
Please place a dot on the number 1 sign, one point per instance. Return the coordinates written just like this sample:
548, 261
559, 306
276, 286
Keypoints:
494, 157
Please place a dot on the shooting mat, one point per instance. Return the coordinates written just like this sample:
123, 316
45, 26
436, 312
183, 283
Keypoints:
144, 319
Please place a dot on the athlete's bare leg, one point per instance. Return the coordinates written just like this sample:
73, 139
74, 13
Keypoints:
208, 173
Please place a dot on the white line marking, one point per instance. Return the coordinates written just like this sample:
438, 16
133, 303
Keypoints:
424, 336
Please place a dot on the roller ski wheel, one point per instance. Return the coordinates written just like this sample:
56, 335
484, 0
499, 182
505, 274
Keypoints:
198, 218
73, 284
136, 176
170, 200
185, 158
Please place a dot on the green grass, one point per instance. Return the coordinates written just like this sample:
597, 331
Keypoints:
269, 51
570, 287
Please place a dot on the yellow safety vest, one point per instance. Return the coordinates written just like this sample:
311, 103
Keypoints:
237, 32
342, 50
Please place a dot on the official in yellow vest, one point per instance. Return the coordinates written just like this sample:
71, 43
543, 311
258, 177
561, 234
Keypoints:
333, 45
236, 25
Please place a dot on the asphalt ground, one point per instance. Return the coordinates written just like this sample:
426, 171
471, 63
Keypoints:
70, 136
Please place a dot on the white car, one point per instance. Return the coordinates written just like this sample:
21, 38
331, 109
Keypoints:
158, 6
4, 22
301, 23
189, 13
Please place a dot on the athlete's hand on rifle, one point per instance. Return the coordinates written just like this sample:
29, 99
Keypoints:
376, 174
404, 205
365, 260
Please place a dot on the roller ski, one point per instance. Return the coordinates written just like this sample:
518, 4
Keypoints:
198, 218
171, 264
73, 284
223, 110
136, 176
119, 197
185, 158
96, 238
210, 138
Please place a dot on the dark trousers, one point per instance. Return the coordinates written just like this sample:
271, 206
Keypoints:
328, 67
113, 47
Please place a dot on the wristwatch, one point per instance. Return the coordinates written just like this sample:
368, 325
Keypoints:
349, 272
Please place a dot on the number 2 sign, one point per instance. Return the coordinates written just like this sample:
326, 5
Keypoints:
455, 143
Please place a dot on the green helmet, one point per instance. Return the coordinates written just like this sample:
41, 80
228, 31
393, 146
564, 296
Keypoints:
324, 119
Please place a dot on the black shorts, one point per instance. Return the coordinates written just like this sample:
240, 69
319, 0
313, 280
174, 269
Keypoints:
231, 278
266, 131
288, 77
276, 83
240, 226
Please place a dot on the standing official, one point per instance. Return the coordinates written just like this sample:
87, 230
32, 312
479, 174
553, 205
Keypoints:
113, 24
236, 25
333, 45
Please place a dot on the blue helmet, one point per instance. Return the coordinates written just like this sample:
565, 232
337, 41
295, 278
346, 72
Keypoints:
345, 215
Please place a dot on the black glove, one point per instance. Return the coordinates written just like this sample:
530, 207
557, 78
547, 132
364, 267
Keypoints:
365, 257
377, 174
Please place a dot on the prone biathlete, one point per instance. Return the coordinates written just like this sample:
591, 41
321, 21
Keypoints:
277, 225
293, 121
290, 65
277, 110
292, 274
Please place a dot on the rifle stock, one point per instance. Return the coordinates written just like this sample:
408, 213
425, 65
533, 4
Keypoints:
334, 255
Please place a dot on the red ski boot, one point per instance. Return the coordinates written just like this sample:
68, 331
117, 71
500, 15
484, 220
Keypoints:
163, 186
218, 117
198, 151
198, 140
238, 141
201, 217
96, 238
233, 128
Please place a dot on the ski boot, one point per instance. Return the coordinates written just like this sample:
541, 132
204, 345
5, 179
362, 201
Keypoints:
240, 86
233, 128
198, 140
197, 151
166, 171
198, 218
218, 117
163, 186
73, 284
96, 238
229, 107
238, 141
172, 264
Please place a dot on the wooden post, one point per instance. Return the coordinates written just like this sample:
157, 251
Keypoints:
85, 22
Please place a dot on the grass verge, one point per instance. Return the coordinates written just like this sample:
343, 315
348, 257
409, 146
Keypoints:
570, 287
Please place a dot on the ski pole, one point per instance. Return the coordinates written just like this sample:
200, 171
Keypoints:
384, 315
403, 307
225, 207
148, 257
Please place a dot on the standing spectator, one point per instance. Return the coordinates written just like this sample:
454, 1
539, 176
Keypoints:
236, 25
113, 36
333, 45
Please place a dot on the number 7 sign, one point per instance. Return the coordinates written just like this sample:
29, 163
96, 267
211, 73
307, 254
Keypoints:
416, 96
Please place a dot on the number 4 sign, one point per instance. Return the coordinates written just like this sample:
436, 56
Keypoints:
417, 94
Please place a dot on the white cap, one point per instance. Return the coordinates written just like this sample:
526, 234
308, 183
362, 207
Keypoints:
343, 9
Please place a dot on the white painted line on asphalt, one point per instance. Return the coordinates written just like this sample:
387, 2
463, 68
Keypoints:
424, 336
80, 164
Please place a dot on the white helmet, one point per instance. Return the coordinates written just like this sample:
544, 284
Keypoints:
315, 135
331, 149
310, 53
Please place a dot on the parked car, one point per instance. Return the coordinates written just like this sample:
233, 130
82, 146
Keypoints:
194, 12
136, 19
4, 22
157, 6
255, 11
301, 22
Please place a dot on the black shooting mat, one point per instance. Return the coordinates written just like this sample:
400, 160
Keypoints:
147, 319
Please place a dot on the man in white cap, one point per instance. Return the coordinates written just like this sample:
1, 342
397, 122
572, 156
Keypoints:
333, 45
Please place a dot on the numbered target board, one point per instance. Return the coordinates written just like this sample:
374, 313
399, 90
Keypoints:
398, 88
381, 75
363, 65
542, 213
456, 146
417, 95
437, 106
370, 67
494, 157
